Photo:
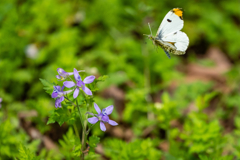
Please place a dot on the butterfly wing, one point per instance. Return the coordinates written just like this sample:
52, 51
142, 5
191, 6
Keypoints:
171, 23
179, 38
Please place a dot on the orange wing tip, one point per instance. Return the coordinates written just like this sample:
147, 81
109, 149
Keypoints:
178, 12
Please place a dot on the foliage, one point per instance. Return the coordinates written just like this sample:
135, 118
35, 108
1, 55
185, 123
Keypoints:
25, 154
70, 145
138, 149
155, 96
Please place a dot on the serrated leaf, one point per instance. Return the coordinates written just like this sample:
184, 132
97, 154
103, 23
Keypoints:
137, 149
102, 78
70, 145
77, 151
93, 141
81, 98
48, 86
95, 89
92, 156
203, 100
61, 115
26, 154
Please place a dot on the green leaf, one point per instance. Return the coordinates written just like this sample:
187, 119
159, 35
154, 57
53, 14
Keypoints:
93, 141
26, 154
48, 87
93, 87
70, 144
102, 78
203, 101
62, 115
77, 150
137, 149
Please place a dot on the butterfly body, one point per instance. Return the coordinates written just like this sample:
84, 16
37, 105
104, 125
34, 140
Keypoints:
169, 37
166, 46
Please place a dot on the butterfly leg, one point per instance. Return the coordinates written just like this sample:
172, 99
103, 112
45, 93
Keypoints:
167, 54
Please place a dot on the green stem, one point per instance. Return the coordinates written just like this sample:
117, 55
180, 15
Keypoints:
76, 131
75, 128
80, 115
79, 112
90, 128
85, 134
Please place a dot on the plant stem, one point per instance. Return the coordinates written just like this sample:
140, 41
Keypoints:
80, 116
75, 128
70, 101
84, 134
84, 126
90, 128
76, 131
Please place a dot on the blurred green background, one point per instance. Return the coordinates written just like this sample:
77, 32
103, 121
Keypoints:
184, 108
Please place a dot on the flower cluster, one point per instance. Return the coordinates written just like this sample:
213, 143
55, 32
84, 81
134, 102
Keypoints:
76, 86
79, 83
59, 94
58, 91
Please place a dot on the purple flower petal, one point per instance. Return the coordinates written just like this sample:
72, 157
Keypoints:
61, 71
109, 110
58, 77
61, 99
54, 95
68, 84
93, 120
80, 84
97, 108
76, 92
76, 75
113, 123
105, 118
0, 100
102, 126
89, 79
62, 88
87, 90
58, 103
57, 88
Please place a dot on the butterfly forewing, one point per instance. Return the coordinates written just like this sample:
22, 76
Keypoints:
170, 24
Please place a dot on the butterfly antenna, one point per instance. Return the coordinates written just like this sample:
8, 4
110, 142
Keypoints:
150, 28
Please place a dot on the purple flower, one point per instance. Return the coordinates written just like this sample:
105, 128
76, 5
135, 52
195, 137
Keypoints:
102, 116
79, 84
63, 74
59, 94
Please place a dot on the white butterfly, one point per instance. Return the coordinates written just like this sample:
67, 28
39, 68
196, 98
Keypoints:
169, 37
